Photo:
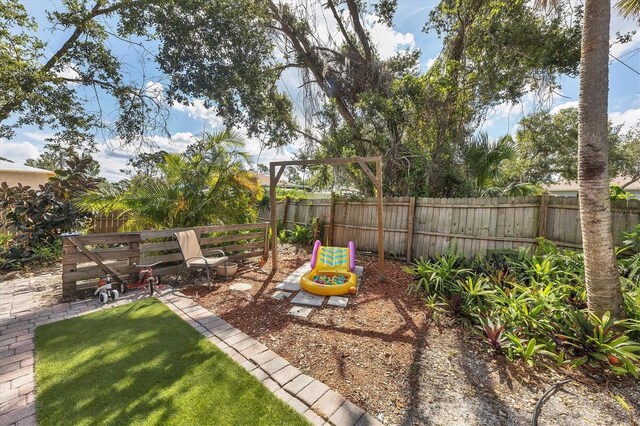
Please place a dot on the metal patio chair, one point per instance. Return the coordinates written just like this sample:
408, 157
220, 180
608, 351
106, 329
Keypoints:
193, 257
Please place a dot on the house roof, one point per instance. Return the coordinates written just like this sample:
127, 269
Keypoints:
573, 185
6, 166
265, 180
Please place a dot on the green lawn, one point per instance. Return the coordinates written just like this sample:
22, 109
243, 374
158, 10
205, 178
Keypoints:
141, 364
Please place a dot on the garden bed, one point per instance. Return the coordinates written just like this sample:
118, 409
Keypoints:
385, 354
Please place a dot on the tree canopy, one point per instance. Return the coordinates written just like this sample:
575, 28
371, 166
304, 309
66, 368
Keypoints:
231, 55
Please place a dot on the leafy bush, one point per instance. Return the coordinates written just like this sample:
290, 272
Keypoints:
37, 217
533, 308
301, 234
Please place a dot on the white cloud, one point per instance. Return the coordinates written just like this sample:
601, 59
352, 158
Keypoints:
18, 152
154, 90
388, 40
570, 104
431, 61
622, 25
68, 72
199, 111
627, 119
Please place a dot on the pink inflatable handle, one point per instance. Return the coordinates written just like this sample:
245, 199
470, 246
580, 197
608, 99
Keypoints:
352, 256
314, 255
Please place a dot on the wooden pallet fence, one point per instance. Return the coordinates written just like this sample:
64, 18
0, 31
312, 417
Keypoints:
121, 250
426, 227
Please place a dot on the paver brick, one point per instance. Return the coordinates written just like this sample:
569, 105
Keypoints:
22, 380
347, 414
298, 405
274, 365
8, 395
248, 365
224, 335
9, 367
368, 420
244, 344
313, 418
329, 403
312, 392
271, 385
285, 375
254, 349
283, 395
229, 351
259, 374
18, 414
236, 338
14, 358
7, 377
297, 384
27, 421
237, 357
264, 357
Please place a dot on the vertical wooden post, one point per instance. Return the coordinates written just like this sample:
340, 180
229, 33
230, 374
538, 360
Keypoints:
542, 216
274, 219
134, 245
69, 264
285, 212
332, 219
411, 214
265, 254
380, 221
316, 228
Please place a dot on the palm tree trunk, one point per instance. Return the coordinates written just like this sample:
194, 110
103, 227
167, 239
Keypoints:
601, 272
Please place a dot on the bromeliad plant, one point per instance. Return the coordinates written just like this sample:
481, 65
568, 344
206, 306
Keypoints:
532, 308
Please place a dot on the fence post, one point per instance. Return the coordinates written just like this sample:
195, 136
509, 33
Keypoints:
135, 258
265, 255
412, 211
285, 212
332, 219
542, 216
68, 287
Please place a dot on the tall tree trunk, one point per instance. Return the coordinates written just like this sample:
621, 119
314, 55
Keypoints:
601, 272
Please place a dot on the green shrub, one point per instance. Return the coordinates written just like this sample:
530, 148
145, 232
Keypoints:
301, 234
37, 217
532, 308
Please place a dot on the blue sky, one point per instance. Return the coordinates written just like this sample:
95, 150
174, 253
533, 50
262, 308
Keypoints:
185, 122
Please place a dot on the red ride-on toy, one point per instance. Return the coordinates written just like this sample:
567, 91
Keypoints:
145, 279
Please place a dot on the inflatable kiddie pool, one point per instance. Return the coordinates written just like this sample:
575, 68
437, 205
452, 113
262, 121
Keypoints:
331, 271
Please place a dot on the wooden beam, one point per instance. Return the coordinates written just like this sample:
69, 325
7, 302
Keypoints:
274, 219
368, 172
349, 160
380, 220
278, 176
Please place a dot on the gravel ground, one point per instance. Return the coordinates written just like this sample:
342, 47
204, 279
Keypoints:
385, 354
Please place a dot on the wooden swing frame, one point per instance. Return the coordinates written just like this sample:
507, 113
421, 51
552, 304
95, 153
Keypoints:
274, 178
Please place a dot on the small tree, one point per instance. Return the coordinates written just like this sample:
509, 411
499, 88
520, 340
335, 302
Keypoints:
204, 185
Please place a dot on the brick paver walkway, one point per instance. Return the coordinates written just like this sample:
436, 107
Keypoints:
18, 319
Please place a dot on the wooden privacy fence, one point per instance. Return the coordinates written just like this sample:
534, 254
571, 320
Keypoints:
425, 227
119, 251
106, 224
